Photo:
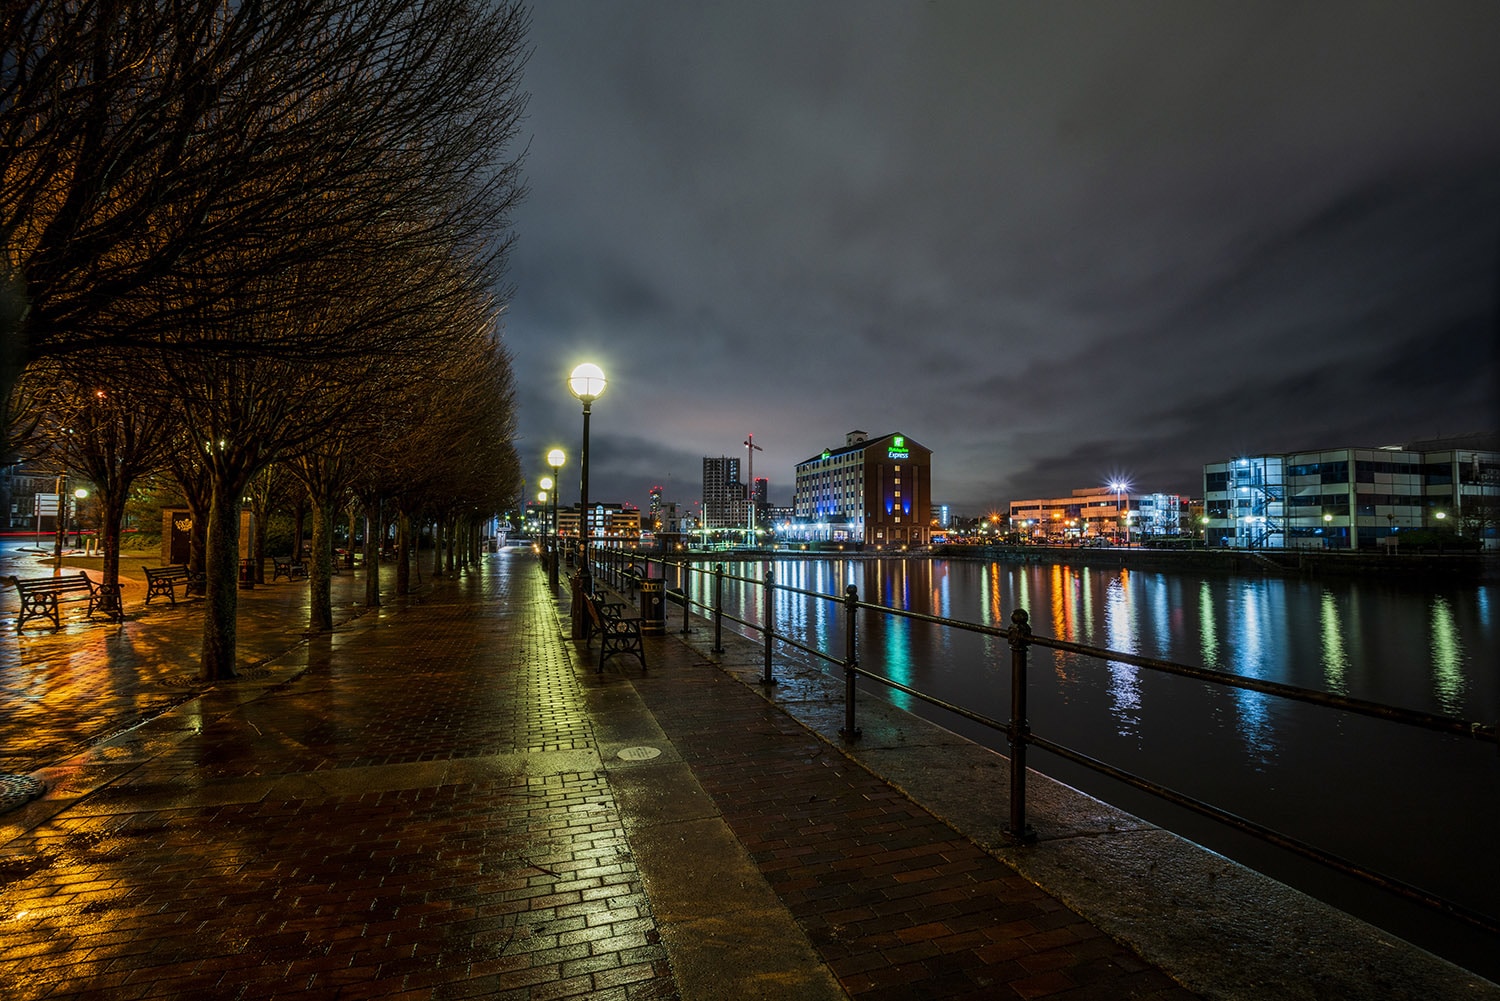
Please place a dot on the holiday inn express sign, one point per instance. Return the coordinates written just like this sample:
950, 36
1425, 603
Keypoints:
898, 449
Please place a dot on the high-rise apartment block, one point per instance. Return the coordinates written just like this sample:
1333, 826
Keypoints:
724, 502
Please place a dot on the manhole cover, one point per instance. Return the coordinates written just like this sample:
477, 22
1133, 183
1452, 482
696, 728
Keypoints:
639, 753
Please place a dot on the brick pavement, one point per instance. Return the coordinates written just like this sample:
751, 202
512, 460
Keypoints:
897, 903
402, 817
429, 804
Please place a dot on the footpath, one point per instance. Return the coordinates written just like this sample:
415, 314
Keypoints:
443, 799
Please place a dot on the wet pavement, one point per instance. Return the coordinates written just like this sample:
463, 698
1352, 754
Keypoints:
442, 799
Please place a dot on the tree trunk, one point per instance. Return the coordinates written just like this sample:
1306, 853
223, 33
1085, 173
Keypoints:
320, 568
437, 547
299, 515
221, 595
260, 514
403, 554
373, 539
349, 549
111, 515
198, 545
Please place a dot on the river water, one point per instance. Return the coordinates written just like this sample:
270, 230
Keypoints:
1422, 807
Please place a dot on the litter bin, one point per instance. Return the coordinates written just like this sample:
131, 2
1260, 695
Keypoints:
653, 606
247, 574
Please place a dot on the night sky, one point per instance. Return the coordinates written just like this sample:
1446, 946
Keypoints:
1056, 243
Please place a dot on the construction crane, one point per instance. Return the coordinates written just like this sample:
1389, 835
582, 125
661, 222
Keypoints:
750, 449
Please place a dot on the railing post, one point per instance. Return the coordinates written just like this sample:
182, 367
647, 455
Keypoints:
851, 662
685, 585
770, 605
1019, 729
718, 608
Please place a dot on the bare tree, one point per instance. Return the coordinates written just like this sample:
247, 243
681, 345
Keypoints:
94, 423
159, 160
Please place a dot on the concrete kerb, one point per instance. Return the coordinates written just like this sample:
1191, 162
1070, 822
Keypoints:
1219, 928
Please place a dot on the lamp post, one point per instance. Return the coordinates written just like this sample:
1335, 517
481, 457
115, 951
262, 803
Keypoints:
546, 484
1119, 487
555, 459
587, 384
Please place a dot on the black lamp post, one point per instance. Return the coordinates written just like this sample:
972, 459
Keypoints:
541, 496
555, 459
587, 383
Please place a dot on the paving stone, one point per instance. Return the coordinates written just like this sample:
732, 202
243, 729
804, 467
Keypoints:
417, 807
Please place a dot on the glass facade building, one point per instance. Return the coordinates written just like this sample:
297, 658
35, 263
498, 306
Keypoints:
1352, 498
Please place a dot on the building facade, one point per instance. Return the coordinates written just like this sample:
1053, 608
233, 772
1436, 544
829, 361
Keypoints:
1355, 498
1099, 513
724, 500
607, 522
873, 491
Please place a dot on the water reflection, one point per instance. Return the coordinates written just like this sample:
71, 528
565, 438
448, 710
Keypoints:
1447, 657
1125, 682
1335, 659
1374, 640
1208, 640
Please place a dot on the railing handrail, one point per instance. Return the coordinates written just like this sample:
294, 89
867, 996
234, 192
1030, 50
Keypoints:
1018, 732
1436, 722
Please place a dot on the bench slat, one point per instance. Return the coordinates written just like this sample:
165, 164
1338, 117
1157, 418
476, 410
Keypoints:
618, 632
40, 596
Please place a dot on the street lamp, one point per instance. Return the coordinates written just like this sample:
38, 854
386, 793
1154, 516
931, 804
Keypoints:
587, 384
546, 484
555, 459
1119, 487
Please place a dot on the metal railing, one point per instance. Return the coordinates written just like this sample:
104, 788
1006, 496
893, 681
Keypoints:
618, 566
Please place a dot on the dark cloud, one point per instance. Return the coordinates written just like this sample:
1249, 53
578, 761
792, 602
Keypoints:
1054, 243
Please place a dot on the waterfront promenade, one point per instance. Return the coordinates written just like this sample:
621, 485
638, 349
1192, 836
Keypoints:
442, 799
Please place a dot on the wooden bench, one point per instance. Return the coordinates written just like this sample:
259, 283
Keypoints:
618, 631
289, 568
162, 581
41, 595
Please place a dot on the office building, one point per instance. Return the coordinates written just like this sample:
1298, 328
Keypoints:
874, 491
1355, 498
607, 522
1100, 512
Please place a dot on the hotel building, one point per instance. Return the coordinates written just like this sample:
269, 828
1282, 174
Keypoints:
874, 491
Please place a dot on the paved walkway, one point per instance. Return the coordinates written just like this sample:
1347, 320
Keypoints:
442, 799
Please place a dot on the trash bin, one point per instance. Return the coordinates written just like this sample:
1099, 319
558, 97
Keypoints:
653, 606
247, 574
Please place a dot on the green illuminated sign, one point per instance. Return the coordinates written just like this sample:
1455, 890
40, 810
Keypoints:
898, 449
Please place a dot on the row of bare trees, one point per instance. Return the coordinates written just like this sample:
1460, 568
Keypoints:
246, 233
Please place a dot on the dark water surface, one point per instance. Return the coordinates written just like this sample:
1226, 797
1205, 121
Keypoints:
1421, 807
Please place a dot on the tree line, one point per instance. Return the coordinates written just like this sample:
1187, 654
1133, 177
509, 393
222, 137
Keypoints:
250, 243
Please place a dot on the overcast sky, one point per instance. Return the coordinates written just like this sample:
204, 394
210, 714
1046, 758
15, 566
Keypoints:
1056, 243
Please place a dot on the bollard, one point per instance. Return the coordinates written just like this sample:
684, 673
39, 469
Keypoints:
718, 608
769, 596
1019, 729
851, 662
